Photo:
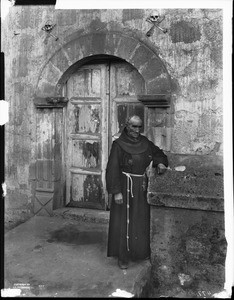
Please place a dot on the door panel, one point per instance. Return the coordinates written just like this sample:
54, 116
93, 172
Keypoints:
101, 97
125, 81
85, 118
86, 154
86, 83
86, 133
88, 189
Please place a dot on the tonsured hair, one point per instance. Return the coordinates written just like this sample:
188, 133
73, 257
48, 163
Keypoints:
133, 117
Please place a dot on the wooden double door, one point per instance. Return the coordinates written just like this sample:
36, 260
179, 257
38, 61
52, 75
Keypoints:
102, 94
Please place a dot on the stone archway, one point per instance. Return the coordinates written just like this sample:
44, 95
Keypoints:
60, 65
49, 190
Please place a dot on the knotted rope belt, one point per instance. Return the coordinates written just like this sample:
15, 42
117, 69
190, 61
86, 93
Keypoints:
129, 189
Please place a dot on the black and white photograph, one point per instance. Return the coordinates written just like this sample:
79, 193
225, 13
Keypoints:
116, 149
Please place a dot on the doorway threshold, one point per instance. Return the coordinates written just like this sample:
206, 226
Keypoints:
82, 214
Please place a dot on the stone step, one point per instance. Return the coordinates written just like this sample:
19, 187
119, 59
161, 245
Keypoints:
83, 214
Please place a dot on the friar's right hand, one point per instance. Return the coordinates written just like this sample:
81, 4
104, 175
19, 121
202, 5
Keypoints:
118, 198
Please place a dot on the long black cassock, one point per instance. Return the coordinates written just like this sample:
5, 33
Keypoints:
130, 240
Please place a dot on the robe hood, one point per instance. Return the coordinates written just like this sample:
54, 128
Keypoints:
130, 146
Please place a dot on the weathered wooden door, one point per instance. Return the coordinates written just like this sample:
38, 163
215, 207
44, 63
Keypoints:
100, 97
125, 84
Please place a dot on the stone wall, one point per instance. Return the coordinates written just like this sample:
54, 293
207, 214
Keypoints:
188, 241
188, 252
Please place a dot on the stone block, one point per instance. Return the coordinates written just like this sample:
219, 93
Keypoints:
153, 69
188, 201
52, 73
201, 177
183, 243
141, 57
74, 51
48, 79
126, 47
159, 85
97, 25
112, 41
61, 60
85, 43
98, 43
72, 37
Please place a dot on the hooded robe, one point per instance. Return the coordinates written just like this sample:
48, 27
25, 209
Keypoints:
132, 240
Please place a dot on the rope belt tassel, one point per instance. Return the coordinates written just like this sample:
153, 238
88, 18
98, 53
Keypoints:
129, 189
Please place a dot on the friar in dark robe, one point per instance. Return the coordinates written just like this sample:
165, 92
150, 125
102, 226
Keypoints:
126, 183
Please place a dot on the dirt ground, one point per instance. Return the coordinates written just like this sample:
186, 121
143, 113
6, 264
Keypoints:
56, 257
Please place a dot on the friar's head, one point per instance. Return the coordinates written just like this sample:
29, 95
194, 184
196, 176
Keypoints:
133, 126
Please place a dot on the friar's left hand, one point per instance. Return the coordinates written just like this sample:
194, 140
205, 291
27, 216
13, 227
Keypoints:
161, 168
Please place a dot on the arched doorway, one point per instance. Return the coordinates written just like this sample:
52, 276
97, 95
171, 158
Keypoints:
52, 189
101, 94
